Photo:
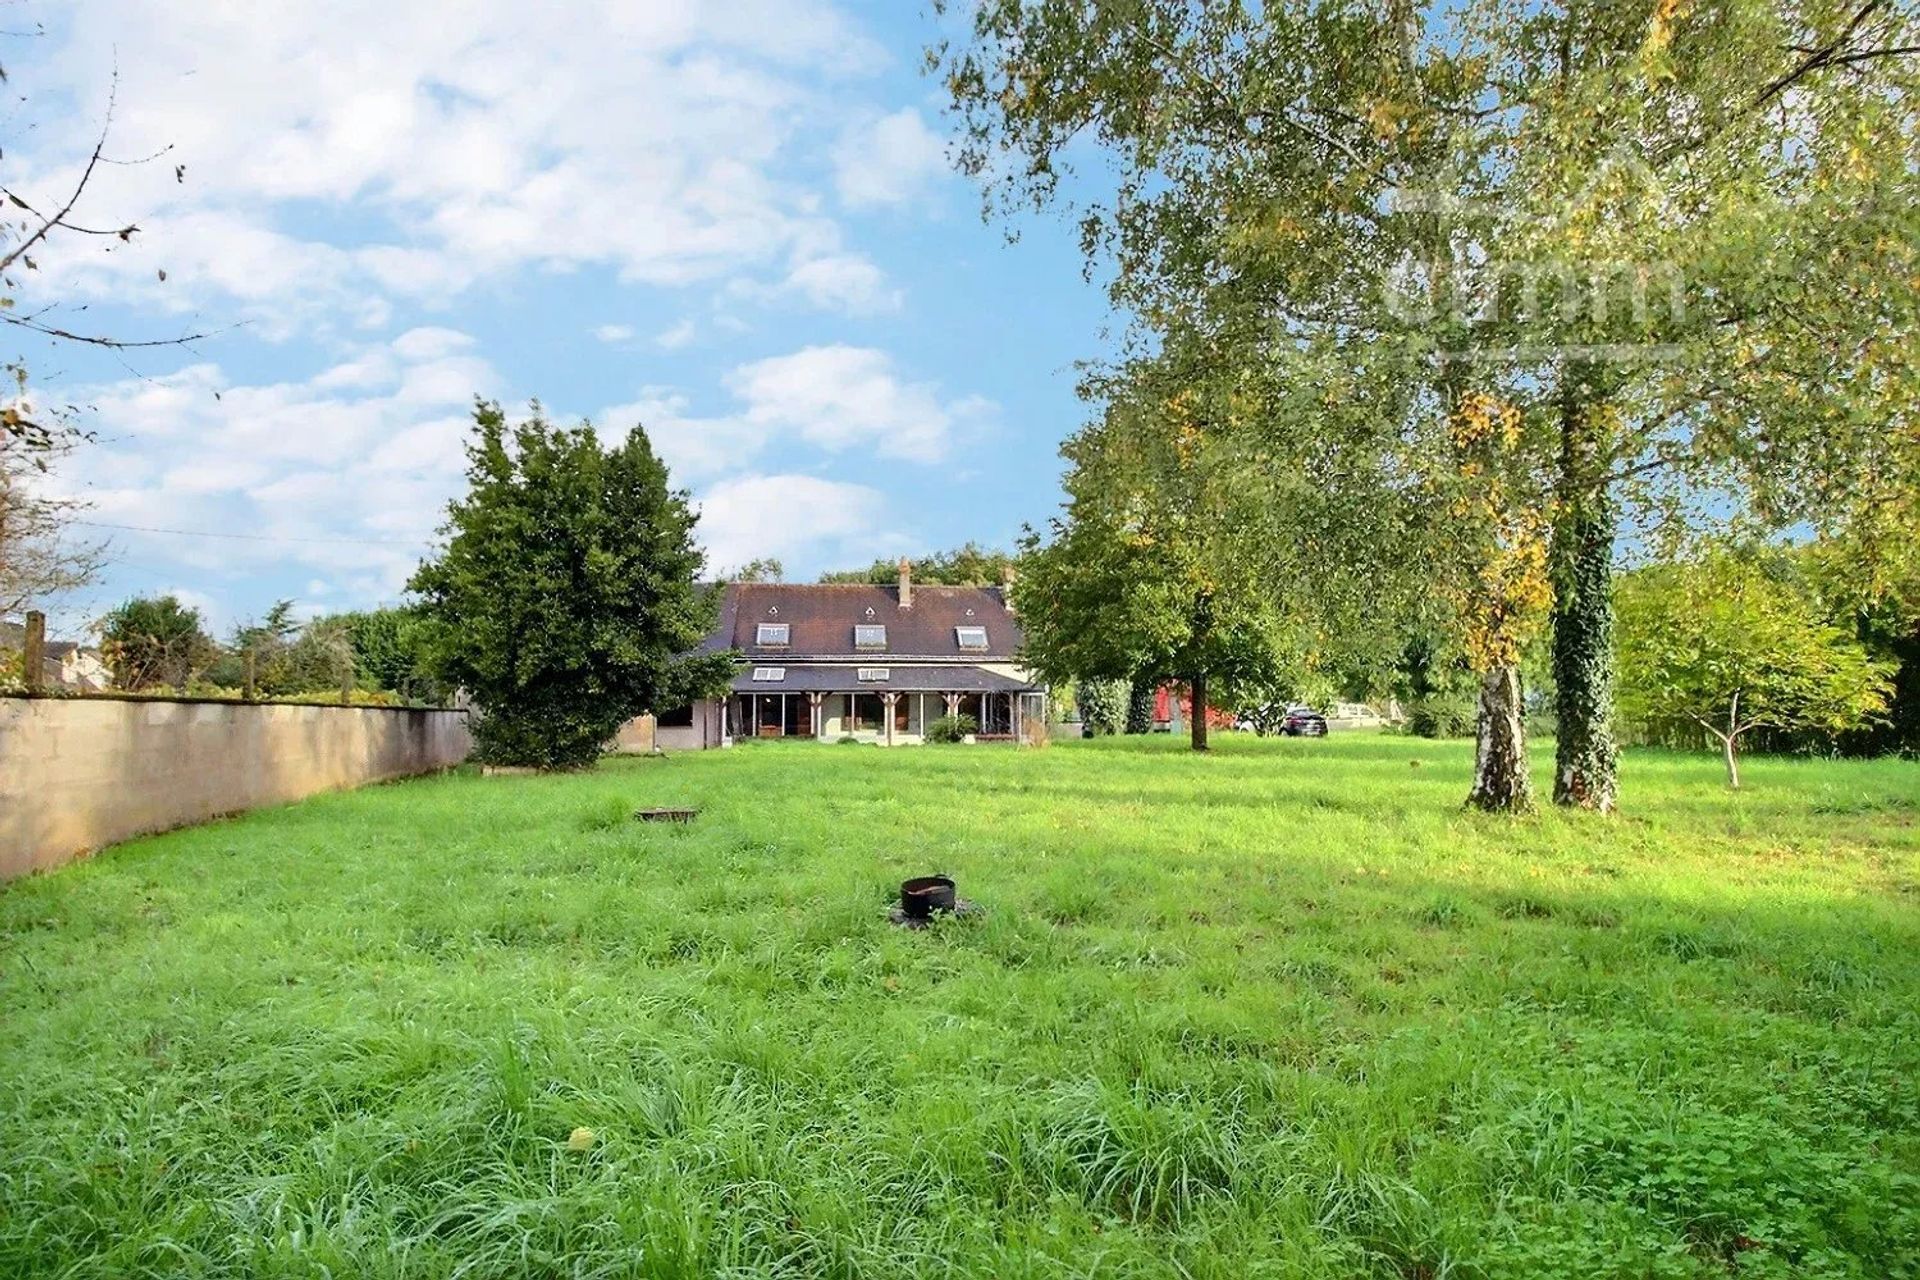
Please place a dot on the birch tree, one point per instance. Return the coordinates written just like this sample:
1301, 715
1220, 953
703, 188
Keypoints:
1619, 219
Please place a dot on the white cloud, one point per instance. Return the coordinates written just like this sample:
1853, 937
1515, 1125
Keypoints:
838, 397
345, 474
890, 160
430, 343
694, 448
847, 282
613, 334
832, 398
668, 142
799, 519
676, 336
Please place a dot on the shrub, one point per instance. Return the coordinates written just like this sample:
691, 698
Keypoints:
1102, 704
564, 601
952, 729
1441, 715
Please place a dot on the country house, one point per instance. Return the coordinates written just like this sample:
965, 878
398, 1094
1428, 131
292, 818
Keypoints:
872, 663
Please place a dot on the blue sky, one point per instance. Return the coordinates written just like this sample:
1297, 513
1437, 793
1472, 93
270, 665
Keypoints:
733, 223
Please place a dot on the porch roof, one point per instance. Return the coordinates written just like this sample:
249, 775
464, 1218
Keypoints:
900, 679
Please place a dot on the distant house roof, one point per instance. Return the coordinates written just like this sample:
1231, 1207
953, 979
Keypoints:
820, 618
919, 678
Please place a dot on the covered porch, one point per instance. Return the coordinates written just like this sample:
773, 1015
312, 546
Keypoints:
885, 705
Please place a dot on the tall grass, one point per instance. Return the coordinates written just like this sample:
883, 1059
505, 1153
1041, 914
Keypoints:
1288, 1010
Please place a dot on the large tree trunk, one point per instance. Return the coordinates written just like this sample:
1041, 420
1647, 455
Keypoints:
1501, 781
1140, 705
1199, 716
1586, 757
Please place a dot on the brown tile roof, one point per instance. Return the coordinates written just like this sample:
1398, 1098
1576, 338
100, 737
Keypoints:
900, 679
821, 617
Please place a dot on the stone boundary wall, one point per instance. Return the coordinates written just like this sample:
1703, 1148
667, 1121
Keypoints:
77, 774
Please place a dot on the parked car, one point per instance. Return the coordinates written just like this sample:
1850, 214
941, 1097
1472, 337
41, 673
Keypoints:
1303, 722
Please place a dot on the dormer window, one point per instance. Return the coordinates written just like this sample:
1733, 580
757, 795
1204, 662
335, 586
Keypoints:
971, 637
771, 635
870, 635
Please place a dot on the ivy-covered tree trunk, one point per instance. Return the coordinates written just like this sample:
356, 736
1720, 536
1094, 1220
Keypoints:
1199, 716
1501, 781
1586, 757
1140, 705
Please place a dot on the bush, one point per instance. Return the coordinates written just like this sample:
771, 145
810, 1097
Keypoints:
1102, 705
1441, 716
952, 729
564, 601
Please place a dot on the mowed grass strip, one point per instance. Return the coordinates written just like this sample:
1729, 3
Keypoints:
1287, 1010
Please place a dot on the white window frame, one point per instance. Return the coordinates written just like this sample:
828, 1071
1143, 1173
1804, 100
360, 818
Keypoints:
960, 638
769, 675
783, 629
870, 643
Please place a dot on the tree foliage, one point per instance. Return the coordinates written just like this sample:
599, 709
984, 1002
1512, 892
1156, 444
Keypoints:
759, 569
1102, 705
1153, 570
565, 600
1731, 644
389, 649
969, 565
155, 641
1677, 246
40, 555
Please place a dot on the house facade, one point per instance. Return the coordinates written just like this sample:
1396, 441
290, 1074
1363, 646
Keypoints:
871, 663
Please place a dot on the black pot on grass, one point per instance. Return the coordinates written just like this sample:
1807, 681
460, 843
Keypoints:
921, 896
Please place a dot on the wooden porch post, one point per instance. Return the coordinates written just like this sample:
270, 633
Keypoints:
888, 700
813, 713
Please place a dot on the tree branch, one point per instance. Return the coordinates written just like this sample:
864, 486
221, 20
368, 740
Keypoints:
86, 176
1824, 56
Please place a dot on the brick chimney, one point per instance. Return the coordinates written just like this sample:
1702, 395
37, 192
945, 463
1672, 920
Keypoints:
1006, 587
906, 583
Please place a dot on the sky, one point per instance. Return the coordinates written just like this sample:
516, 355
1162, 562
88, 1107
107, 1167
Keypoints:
735, 224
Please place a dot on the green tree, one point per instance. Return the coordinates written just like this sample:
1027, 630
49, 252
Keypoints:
1155, 565
259, 654
565, 601
1514, 204
1101, 705
1724, 644
390, 653
155, 641
970, 565
763, 569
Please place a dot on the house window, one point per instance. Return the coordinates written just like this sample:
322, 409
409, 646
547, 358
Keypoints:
867, 712
870, 635
868, 674
770, 674
971, 637
678, 718
771, 634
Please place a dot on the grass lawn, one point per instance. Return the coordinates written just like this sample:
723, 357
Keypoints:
1286, 1010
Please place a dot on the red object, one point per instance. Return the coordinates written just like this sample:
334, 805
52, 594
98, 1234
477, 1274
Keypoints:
1163, 704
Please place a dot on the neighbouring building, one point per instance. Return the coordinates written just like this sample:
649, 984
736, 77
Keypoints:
876, 664
67, 666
